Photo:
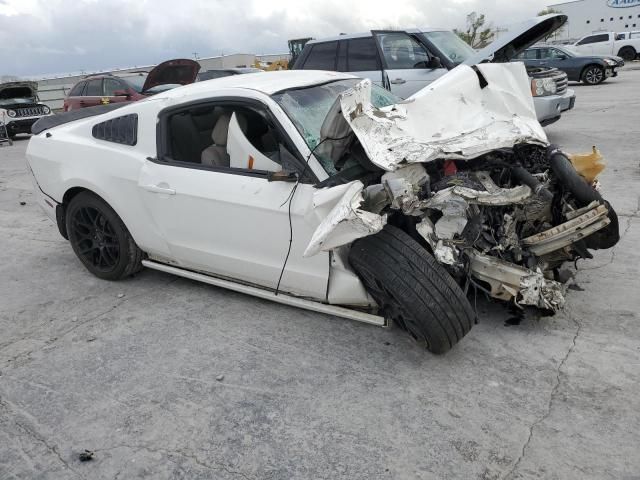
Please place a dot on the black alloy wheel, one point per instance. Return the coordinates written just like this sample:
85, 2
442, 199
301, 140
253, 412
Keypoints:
100, 239
95, 238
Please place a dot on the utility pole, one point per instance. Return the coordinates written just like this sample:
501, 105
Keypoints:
499, 30
195, 55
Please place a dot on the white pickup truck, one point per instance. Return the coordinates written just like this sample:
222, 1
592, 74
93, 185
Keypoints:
622, 44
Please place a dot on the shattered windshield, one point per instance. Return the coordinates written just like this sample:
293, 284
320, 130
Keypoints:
450, 44
308, 107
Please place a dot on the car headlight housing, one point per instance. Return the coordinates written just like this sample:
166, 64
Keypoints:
610, 62
11, 113
541, 87
46, 110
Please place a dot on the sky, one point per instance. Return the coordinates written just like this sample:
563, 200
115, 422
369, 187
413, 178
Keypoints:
41, 37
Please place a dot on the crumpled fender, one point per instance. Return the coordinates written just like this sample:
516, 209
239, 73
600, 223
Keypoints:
344, 220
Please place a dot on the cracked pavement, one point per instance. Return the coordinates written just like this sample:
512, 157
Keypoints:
134, 378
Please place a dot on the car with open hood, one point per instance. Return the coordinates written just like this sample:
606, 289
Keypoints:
20, 107
107, 88
589, 69
324, 191
405, 61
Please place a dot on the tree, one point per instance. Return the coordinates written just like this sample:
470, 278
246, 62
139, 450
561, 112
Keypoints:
476, 34
548, 11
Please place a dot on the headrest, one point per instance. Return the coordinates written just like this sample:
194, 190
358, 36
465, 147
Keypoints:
221, 128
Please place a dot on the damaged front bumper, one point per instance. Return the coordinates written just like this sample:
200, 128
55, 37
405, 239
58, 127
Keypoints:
466, 165
512, 282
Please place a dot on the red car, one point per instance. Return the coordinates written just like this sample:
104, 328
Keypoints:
106, 88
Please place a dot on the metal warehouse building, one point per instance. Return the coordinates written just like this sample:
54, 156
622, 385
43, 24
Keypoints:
588, 16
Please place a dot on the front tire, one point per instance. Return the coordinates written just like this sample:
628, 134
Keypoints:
593, 75
100, 239
412, 288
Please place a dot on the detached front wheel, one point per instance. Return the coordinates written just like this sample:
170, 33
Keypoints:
100, 239
412, 288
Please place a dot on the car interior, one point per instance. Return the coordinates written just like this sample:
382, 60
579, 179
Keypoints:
199, 134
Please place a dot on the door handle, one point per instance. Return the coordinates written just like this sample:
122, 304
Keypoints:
159, 189
543, 63
398, 81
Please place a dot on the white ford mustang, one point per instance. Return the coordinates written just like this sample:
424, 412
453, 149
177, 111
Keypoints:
320, 190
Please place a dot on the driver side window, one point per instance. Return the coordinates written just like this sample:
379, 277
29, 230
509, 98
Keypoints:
226, 136
402, 51
557, 54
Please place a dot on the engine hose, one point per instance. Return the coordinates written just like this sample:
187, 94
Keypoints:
523, 176
584, 194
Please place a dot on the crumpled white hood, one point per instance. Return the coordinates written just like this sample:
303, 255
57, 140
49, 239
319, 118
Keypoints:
453, 118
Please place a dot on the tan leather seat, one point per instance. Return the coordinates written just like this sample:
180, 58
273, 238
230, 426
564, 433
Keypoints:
216, 154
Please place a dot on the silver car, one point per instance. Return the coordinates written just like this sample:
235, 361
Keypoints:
406, 61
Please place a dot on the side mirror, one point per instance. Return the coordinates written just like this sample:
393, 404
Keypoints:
121, 93
562, 57
433, 63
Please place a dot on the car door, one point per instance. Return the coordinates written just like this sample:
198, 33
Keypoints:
544, 57
530, 57
72, 102
361, 58
405, 62
561, 61
92, 95
233, 221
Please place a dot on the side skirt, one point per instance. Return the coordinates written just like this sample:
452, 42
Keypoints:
269, 295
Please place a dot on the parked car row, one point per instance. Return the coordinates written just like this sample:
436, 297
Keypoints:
403, 62
406, 61
105, 89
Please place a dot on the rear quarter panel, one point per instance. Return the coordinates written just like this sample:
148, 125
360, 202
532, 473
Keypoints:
68, 156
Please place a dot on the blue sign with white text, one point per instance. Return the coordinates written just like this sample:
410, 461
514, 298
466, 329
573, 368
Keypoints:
623, 3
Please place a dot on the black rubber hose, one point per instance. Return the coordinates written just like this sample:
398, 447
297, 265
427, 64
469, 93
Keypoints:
584, 194
520, 174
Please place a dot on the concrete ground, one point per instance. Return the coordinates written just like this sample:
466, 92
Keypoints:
131, 370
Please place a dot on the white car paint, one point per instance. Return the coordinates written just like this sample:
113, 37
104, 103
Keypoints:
238, 230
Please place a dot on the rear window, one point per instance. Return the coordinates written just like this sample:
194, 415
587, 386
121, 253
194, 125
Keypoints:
94, 88
211, 74
322, 56
76, 91
594, 39
362, 55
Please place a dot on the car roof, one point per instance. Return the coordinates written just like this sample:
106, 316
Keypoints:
348, 36
265, 82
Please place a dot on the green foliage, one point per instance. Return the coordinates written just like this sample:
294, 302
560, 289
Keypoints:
476, 34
